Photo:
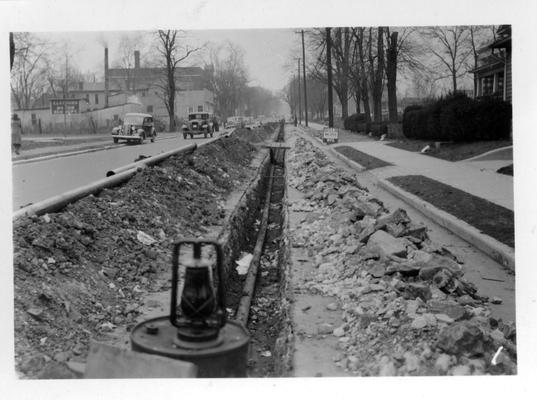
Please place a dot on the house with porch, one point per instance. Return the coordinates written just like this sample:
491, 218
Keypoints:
492, 77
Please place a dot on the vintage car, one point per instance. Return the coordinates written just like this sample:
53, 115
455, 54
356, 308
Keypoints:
136, 127
200, 123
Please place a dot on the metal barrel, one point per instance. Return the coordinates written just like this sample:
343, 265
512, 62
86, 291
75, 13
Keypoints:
227, 359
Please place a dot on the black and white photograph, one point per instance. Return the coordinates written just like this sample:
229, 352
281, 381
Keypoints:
312, 196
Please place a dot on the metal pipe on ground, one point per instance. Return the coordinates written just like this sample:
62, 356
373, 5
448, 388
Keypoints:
249, 285
153, 160
58, 202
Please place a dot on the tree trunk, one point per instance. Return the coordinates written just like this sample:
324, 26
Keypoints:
391, 75
171, 97
365, 100
379, 73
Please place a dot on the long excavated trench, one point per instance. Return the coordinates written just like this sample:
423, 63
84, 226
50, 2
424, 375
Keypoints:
95, 269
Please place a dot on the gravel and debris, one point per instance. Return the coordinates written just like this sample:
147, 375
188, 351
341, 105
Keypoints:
82, 272
407, 308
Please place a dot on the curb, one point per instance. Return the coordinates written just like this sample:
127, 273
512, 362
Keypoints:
348, 161
487, 153
498, 251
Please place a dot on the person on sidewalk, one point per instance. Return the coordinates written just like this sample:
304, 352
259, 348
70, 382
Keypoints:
16, 133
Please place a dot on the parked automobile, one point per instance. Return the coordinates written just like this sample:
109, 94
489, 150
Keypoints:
199, 123
136, 127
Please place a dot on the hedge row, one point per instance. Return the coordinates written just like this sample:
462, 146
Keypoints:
458, 118
357, 123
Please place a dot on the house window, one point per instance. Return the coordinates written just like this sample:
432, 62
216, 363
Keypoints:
190, 109
149, 109
87, 97
96, 98
200, 108
116, 117
34, 119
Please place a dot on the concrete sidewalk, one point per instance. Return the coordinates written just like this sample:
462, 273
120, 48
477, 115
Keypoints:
491, 186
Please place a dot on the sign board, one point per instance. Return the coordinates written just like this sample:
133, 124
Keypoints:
330, 135
64, 106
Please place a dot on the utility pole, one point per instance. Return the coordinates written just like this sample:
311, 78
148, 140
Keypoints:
329, 73
299, 100
304, 75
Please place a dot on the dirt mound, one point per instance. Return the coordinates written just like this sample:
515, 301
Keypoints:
81, 272
255, 135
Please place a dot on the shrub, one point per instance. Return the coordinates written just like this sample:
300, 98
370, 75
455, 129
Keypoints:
458, 118
351, 122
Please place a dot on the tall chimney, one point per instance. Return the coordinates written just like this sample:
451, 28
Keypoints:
136, 59
106, 77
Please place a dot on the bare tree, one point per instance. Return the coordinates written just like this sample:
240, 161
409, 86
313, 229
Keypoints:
63, 74
290, 94
341, 59
128, 44
451, 47
377, 72
172, 52
229, 77
317, 97
361, 70
28, 75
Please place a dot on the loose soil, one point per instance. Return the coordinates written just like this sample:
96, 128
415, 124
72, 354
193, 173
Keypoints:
82, 272
365, 160
491, 219
451, 151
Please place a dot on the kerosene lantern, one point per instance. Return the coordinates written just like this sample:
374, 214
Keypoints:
197, 330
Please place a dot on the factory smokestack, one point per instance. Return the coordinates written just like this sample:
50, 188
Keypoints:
106, 77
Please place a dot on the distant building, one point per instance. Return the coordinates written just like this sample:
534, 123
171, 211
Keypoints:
192, 94
100, 105
492, 77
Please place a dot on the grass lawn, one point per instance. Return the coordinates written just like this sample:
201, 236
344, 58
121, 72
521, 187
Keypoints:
451, 151
489, 218
365, 160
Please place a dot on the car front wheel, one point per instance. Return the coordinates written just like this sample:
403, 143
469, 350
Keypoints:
184, 135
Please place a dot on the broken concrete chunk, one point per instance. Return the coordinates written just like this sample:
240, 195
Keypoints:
451, 309
462, 338
385, 244
415, 290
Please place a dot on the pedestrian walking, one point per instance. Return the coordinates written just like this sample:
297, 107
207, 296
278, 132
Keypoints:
16, 133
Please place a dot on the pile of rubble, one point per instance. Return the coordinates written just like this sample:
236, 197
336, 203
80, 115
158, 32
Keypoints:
81, 273
406, 307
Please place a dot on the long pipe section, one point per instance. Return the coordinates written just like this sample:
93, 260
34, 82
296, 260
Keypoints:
249, 285
153, 160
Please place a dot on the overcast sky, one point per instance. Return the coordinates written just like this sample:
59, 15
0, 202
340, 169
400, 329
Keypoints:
267, 51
